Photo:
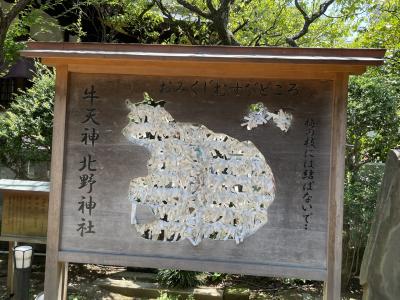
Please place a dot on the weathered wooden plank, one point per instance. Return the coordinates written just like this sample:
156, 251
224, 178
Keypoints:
332, 286
232, 69
53, 274
24, 214
290, 271
23, 239
64, 281
10, 268
282, 241
192, 70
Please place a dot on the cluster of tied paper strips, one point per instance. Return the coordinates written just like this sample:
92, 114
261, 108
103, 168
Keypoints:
200, 184
260, 115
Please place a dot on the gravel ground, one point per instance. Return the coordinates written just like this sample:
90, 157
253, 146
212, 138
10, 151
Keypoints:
82, 277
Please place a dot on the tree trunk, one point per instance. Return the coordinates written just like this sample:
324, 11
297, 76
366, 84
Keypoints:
3, 33
5, 21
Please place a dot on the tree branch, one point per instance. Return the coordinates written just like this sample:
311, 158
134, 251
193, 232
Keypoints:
15, 10
225, 4
163, 9
5, 22
256, 40
194, 8
240, 26
1, 15
219, 18
211, 7
308, 20
301, 10
177, 23
146, 9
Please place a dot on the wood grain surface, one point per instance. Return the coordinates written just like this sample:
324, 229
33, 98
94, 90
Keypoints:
282, 247
25, 214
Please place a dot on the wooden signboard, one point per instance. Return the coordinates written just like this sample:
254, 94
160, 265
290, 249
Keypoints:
201, 158
25, 210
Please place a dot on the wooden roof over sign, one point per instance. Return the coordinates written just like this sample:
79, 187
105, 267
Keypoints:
24, 185
206, 53
204, 60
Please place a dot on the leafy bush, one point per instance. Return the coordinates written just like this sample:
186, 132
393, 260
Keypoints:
373, 118
359, 208
166, 296
178, 278
373, 129
26, 127
216, 278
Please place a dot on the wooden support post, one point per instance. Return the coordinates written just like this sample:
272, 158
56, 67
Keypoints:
65, 281
10, 268
54, 278
332, 286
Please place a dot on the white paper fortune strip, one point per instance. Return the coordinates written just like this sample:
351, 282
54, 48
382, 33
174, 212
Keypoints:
260, 115
200, 184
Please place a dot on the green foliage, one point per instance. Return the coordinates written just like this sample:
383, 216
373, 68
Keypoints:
256, 107
373, 124
359, 206
373, 118
269, 23
138, 16
178, 278
373, 129
13, 35
26, 127
361, 198
126, 19
379, 24
75, 297
166, 296
257, 22
216, 278
13, 43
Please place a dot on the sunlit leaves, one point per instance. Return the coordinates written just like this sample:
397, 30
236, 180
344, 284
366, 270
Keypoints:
373, 120
380, 25
26, 127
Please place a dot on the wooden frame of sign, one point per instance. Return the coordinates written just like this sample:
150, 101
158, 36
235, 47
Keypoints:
299, 93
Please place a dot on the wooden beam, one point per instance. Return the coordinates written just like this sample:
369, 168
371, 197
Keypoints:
332, 287
204, 69
23, 239
206, 53
284, 270
64, 281
10, 268
54, 269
